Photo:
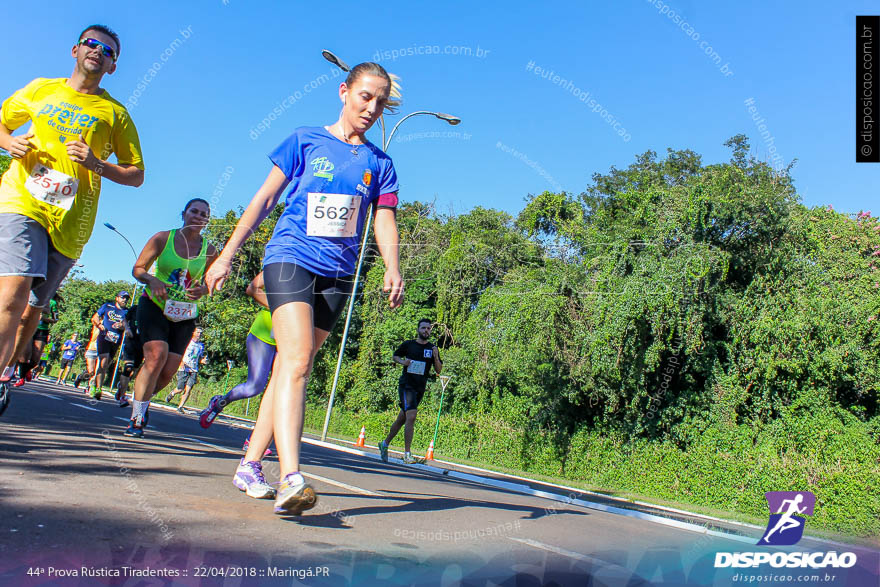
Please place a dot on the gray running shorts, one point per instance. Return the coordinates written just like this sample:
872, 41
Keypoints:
26, 250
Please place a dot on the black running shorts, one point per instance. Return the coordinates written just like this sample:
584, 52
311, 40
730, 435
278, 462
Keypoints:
105, 347
153, 325
410, 397
287, 282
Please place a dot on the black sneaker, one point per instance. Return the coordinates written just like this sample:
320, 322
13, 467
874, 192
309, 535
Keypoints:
134, 431
4, 397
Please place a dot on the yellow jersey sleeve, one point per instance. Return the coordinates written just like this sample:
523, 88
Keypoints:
16, 109
125, 142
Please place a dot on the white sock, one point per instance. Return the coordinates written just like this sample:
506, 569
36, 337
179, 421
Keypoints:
138, 410
295, 479
7, 373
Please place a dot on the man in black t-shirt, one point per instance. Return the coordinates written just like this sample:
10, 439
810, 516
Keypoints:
132, 356
417, 358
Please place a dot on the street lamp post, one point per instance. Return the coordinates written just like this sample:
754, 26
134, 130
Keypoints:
133, 297
453, 120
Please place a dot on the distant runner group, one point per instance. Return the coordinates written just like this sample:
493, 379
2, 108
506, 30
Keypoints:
330, 177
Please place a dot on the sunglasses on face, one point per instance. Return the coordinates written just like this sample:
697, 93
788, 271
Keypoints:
96, 44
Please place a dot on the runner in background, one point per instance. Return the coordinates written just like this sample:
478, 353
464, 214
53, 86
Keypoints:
68, 354
45, 358
91, 357
132, 356
110, 320
335, 174
49, 195
32, 356
260, 355
417, 358
188, 374
167, 310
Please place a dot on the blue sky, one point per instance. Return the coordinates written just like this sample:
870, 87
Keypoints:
641, 61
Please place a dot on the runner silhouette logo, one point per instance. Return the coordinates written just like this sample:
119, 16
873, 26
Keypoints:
787, 521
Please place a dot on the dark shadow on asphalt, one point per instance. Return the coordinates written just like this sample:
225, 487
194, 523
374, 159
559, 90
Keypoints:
429, 504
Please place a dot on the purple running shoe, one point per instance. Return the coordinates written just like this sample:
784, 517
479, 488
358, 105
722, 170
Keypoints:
249, 478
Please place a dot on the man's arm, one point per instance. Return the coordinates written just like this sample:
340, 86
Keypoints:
401, 360
438, 364
18, 146
97, 322
124, 173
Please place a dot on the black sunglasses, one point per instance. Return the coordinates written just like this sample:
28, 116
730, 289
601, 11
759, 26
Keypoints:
96, 44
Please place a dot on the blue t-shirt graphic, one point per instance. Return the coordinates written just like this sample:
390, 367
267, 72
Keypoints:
110, 314
322, 232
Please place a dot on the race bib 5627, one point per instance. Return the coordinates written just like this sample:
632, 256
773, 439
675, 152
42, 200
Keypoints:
333, 215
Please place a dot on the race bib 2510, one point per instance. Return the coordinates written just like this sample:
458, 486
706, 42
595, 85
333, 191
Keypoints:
52, 187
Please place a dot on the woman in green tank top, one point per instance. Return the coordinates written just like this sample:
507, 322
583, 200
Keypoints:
260, 357
167, 310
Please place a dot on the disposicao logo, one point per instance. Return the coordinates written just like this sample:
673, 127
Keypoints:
785, 528
786, 524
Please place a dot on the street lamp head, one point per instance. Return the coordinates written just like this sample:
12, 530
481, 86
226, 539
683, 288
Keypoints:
329, 56
453, 120
110, 226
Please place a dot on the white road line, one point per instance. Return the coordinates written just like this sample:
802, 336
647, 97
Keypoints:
214, 446
85, 407
351, 488
604, 570
47, 395
554, 549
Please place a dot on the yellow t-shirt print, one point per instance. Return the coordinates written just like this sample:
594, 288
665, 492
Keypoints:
40, 185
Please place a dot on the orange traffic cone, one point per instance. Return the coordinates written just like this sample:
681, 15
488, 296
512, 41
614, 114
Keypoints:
362, 437
430, 455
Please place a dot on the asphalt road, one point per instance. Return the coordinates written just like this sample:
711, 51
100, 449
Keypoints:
80, 502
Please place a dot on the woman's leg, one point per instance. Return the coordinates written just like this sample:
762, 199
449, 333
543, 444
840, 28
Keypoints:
263, 432
172, 363
298, 341
155, 358
152, 371
260, 355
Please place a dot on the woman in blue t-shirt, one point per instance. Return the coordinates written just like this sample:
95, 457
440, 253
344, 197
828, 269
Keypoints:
334, 174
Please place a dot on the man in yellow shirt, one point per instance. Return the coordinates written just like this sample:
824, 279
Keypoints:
49, 194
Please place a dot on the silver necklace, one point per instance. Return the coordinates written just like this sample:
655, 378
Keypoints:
354, 148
